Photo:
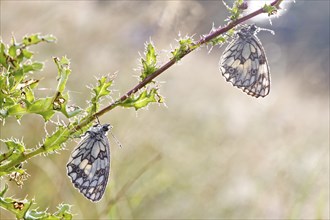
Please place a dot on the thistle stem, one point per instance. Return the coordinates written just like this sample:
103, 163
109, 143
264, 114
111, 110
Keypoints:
171, 62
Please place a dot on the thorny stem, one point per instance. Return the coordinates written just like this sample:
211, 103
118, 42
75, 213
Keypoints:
170, 63
148, 79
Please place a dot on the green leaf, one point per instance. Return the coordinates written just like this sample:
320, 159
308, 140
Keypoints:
185, 45
12, 51
102, 89
269, 9
62, 213
218, 40
15, 149
6, 102
36, 66
17, 110
49, 38
17, 207
60, 99
15, 145
5, 156
3, 55
29, 95
27, 54
238, 7
64, 71
149, 64
17, 100
43, 107
22, 209
18, 76
54, 141
37, 38
2, 193
142, 100
4, 94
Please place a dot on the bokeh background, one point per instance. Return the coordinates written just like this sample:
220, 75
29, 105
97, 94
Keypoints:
224, 155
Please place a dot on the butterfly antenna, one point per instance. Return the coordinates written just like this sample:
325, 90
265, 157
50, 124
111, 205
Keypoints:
117, 141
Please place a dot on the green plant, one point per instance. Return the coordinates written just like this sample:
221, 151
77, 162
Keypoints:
17, 99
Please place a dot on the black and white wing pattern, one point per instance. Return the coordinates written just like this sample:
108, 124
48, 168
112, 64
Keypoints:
244, 63
89, 163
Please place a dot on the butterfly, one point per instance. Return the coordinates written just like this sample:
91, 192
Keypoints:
244, 63
89, 163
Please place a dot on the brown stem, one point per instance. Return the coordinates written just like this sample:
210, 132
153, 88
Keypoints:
171, 62
147, 80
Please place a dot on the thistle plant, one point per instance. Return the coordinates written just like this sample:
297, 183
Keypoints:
18, 84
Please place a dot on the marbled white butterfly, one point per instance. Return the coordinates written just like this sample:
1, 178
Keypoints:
244, 63
89, 163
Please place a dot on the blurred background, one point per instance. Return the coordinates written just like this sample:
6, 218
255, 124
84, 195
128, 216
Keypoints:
223, 154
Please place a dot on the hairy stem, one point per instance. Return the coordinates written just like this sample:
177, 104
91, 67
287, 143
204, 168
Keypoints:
171, 62
144, 82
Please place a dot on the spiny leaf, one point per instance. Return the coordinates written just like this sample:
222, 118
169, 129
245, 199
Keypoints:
54, 141
17, 207
218, 40
22, 209
64, 71
28, 93
37, 38
18, 75
185, 45
27, 54
43, 107
12, 50
17, 110
63, 213
149, 64
236, 10
270, 10
15, 145
102, 89
142, 100
35, 66
15, 149
60, 99
3, 55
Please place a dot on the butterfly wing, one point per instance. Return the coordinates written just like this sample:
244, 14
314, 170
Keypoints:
89, 165
245, 65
